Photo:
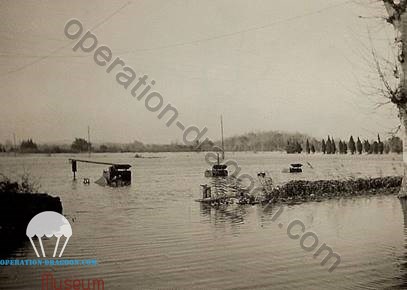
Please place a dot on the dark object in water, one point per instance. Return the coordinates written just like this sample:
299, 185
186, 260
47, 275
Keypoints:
146, 157
261, 174
296, 168
115, 175
207, 195
86, 181
206, 191
218, 170
265, 181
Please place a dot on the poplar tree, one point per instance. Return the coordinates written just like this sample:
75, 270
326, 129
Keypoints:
366, 146
359, 146
340, 145
380, 145
351, 145
307, 148
328, 146
333, 146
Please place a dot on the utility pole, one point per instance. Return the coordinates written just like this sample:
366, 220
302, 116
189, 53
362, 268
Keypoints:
221, 129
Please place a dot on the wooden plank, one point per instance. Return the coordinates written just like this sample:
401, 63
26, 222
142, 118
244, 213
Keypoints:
98, 162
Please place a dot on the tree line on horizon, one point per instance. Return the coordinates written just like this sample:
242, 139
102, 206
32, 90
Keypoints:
329, 146
254, 141
81, 145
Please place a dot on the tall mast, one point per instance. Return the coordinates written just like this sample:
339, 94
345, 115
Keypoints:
221, 129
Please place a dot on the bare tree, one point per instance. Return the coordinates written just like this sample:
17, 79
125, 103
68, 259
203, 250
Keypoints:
397, 17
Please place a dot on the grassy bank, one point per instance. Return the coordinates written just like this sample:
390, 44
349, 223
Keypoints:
19, 203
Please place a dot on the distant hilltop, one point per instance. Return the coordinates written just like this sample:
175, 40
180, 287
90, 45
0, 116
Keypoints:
265, 141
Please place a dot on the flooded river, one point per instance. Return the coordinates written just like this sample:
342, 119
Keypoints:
153, 235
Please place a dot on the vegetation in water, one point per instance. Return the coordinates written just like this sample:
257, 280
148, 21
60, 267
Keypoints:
25, 184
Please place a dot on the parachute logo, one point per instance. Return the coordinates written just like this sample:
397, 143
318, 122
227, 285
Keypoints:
49, 223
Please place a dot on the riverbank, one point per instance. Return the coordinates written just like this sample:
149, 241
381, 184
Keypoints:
19, 203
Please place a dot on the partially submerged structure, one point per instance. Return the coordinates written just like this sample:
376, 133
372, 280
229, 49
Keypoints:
216, 195
218, 170
115, 175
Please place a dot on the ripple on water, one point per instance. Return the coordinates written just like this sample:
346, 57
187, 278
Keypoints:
153, 235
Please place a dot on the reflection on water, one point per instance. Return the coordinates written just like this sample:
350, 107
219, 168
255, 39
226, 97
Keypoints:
402, 260
225, 185
153, 235
233, 214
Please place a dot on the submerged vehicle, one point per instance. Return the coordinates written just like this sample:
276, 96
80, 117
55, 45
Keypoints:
115, 175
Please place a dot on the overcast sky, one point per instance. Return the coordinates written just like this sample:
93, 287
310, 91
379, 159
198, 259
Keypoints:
265, 65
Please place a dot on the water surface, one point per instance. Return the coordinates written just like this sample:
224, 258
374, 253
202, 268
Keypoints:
153, 235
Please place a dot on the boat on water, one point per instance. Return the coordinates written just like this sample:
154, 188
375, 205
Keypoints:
218, 169
295, 168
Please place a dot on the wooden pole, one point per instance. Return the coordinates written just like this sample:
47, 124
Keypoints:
221, 129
